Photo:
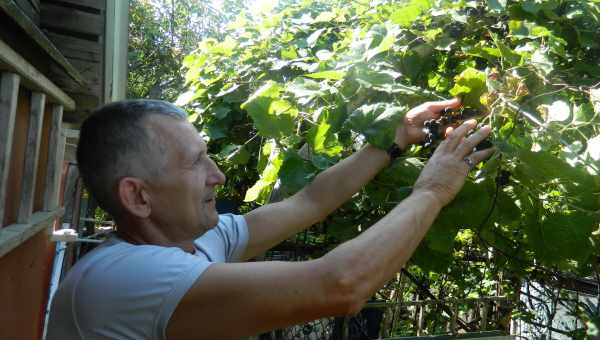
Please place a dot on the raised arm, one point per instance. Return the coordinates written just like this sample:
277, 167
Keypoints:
236, 300
273, 223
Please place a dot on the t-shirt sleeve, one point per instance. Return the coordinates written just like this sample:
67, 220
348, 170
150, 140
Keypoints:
233, 231
135, 292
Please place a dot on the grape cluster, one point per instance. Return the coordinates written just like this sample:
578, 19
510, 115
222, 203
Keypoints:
434, 128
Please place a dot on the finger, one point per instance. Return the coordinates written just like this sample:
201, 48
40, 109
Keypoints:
479, 156
449, 130
466, 147
438, 106
455, 137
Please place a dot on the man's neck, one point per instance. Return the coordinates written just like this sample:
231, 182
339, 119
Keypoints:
148, 234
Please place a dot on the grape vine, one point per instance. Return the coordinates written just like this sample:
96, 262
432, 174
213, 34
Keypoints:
290, 92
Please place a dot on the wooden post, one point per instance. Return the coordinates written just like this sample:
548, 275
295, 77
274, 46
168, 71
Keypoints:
34, 134
453, 318
421, 321
9, 92
55, 154
484, 314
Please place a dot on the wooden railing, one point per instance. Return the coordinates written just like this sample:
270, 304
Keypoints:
18, 78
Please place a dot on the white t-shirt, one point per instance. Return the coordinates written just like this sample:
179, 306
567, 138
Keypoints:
125, 291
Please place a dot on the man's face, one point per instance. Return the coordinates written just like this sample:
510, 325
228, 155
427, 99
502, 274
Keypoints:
183, 197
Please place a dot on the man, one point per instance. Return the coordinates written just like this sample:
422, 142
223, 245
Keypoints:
172, 271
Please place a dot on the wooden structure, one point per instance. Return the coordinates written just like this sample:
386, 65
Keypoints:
58, 60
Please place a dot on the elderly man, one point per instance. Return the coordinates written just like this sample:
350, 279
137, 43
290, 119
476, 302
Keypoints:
173, 270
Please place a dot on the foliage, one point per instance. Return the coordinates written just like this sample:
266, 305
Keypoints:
161, 34
285, 95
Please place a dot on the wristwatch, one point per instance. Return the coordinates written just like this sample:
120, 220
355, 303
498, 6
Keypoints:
394, 152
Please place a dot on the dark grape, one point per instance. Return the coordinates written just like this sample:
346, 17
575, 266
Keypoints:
484, 144
503, 178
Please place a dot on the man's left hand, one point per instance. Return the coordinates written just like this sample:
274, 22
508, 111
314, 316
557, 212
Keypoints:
411, 130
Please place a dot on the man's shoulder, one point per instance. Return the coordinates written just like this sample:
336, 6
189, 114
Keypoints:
121, 286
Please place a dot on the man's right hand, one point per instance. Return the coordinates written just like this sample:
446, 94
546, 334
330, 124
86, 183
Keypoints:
445, 172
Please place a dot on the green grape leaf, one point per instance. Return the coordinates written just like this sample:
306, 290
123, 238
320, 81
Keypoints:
260, 191
322, 140
470, 84
405, 15
496, 5
236, 154
377, 122
560, 236
295, 172
331, 75
273, 117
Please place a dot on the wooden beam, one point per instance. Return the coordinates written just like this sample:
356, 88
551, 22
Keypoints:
40, 38
71, 19
13, 235
31, 77
34, 134
54, 165
9, 91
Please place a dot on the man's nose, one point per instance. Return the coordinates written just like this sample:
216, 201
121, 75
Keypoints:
215, 176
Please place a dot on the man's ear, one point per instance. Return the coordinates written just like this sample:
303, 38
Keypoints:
133, 197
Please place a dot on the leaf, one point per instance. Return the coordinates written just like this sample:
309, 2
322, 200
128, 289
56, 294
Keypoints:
331, 75
405, 15
560, 236
260, 191
542, 61
236, 154
295, 172
221, 111
273, 117
523, 29
322, 140
312, 39
470, 85
593, 148
496, 5
386, 43
377, 122
595, 99
558, 111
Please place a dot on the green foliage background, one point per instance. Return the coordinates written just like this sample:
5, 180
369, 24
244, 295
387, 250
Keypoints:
284, 95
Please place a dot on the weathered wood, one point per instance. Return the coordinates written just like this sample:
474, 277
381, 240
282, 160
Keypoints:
66, 41
484, 315
13, 235
95, 4
27, 7
54, 165
33, 31
34, 133
71, 19
31, 77
9, 91
421, 320
453, 319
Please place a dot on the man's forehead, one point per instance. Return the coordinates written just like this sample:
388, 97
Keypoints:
181, 133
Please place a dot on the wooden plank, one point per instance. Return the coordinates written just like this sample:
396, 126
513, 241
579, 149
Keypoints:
95, 4
15, 234
71, 19
34, 133
66, 41
40, 38
27, 7
9, 91
32, 78
54, 165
